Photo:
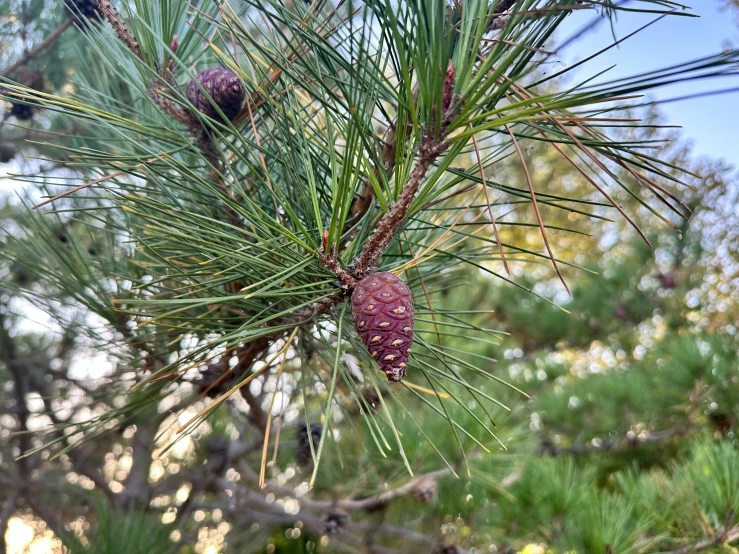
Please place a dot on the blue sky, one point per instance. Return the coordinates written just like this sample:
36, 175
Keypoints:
711, 122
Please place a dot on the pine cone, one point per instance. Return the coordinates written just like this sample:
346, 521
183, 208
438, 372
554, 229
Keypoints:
225, 89
33, 79
335, 522
83, 9
372, 399
721, 421
303, 455
382, 306
425, 490
7, 153
22, 112
447, 549
218, 447
209, 379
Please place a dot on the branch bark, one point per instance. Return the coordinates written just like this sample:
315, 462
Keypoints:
428, 152
722, 537
39, 48
349, 504
110, 13
623, 443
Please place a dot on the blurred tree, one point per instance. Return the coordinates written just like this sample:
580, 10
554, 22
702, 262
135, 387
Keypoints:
180, 370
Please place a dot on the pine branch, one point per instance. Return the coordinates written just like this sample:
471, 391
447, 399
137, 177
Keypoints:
363, 201
110, 13
39, 48
155, 92
628, 441
722, 537
428, 152
349, 503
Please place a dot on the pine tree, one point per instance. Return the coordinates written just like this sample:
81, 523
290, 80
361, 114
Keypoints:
236, 169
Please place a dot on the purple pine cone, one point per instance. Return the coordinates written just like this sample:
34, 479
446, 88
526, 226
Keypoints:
223, 86
382, 306
84, 8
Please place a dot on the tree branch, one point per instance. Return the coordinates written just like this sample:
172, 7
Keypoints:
39, 48
630, 440
137, 488
110, 13
347, 503
722, 537
428, 152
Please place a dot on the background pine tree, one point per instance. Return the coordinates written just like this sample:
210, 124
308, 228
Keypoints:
180, 367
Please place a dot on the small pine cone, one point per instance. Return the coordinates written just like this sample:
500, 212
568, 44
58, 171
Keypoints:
7, 153
721, 421
372, 399
668, 280
223, 86
335, 522
382, 307
22, 112
303, 455
425, 490
83, 9
33, 79
210, 382
218, 448
447, 549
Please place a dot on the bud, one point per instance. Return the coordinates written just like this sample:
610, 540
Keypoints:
448, 87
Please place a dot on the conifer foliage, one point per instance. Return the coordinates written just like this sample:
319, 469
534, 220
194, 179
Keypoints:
279, 217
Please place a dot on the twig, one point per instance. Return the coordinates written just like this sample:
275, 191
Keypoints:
110, 13
9, 352
90, 183
630, 440
428, 152
490, 209
39, 48
347, 503
433, 143
363, 200
722, 537
330, 261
